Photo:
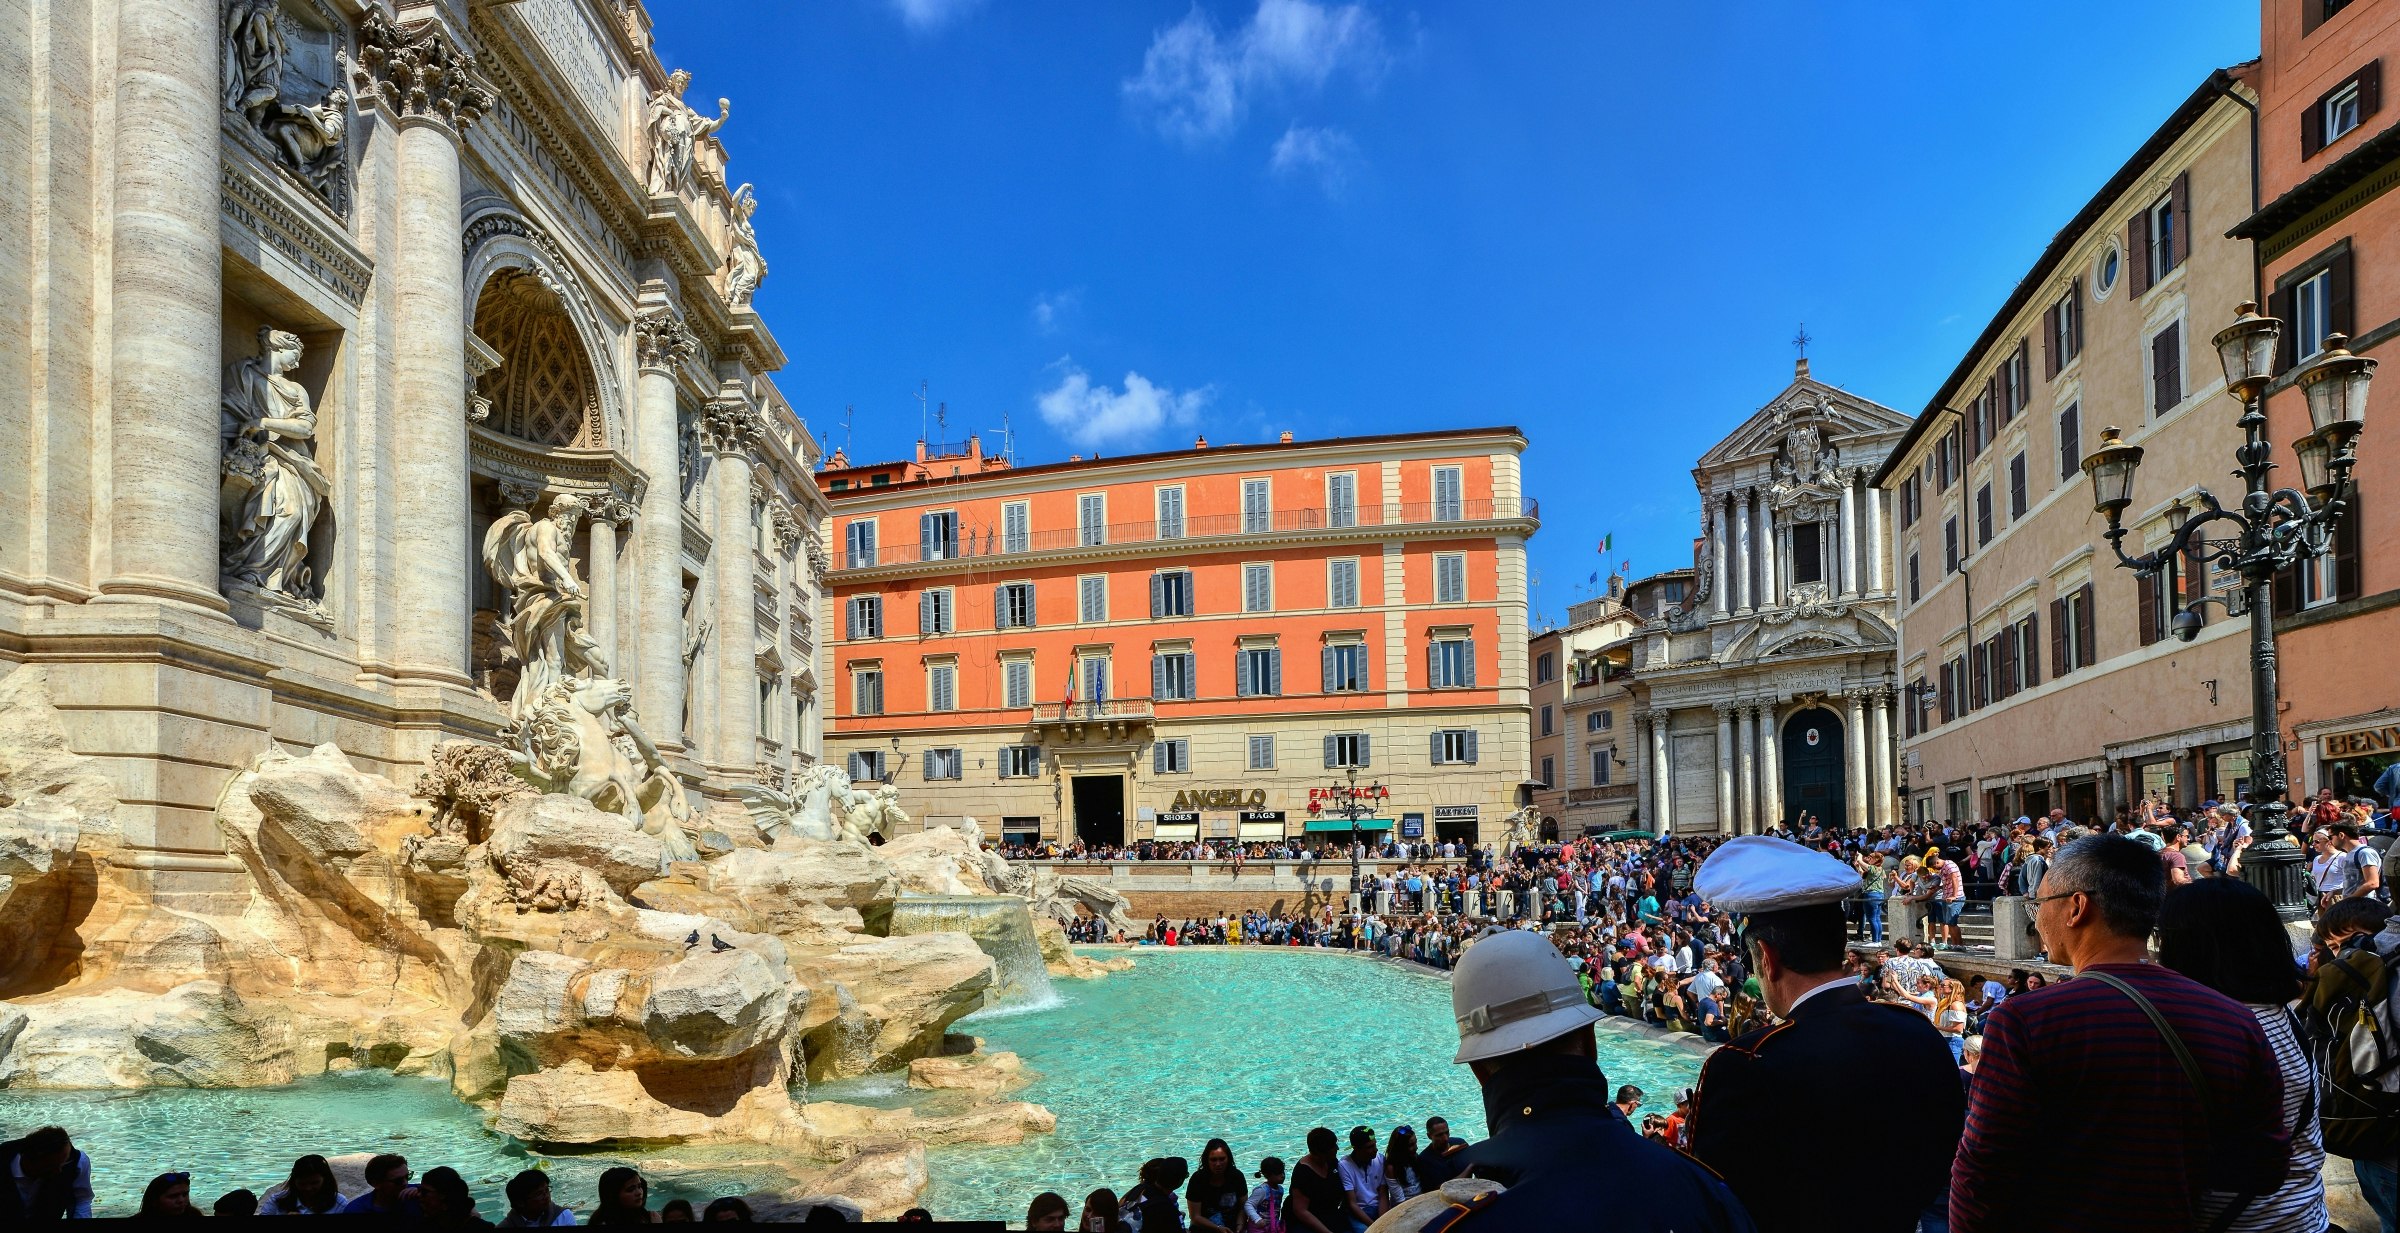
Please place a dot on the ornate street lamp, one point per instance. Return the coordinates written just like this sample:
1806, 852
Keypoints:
2275, 529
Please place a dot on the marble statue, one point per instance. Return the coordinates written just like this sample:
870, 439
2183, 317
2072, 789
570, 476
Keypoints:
310, 138
1520, 832
745, 266
823, 804
254, 53
878, 812
569, 741
530, 559
675, 129
272, 491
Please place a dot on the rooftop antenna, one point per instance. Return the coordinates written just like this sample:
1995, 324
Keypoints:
847, 411
941, 419
920, 409
1008, 444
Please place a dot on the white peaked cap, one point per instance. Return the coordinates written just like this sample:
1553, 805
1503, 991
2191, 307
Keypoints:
1758, 873
1512, 991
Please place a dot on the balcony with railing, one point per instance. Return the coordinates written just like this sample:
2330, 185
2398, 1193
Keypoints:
1094, 719
978, 542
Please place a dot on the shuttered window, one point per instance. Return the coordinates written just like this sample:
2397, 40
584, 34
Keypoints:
859, 538
1453, 746
1171, 593
1091, 593
2062, 330
2166, 369
1016, 527
1341, 583
863, 617
1258, 506
941, 687
934, 615
866, 692
1345, 668
1091, 519
1916, 589
1258, 672
937, 536
2315, 299
1170, 513
1983, 515
1449, 578
1949, 545
2018, 496
1262, 753
2070, 442
1346, 749
2342, 110
945, 764
1450, 663
866, 766
1341, 500
1258, 588
2029, 656
1172, 756
1016, 683
1173, 676
1449, 504
1012, 605
1020, 761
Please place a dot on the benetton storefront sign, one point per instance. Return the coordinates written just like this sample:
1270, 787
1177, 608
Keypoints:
1191, 799
2360, 742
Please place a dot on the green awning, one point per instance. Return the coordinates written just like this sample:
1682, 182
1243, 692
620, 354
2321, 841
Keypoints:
1343, 824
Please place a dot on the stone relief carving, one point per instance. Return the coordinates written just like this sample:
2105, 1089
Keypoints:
662, 340
675, 129
271, 491
529, 559
1807, 481
745, 266
260, 74
1808, 599
466, 784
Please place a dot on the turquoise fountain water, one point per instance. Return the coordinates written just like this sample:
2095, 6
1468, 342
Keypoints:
1254, 1045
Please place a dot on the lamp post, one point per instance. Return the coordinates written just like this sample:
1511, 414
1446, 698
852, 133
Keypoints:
2275, 529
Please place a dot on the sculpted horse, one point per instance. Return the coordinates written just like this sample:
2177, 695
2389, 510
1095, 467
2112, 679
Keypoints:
569, 744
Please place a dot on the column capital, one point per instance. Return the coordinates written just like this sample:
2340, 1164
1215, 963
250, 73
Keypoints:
787, 526
662, 341
1725, 710
615, 511
731, 426
420, 72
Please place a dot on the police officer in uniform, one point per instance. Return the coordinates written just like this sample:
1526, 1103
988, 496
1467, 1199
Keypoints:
1563, 1164
1787, 1113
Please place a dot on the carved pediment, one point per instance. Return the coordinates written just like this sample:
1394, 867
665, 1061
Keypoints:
1809, 418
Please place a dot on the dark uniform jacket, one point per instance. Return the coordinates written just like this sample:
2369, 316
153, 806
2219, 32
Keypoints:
51, 1198
1845, 1118
1571, 1168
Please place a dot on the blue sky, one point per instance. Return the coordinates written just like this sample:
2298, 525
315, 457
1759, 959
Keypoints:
1118, 223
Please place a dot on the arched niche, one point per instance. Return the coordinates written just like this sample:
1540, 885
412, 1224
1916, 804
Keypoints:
509, 255
545, 390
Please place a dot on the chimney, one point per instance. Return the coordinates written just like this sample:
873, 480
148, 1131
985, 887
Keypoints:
1800, 369
1074, 458
1286, 438
1200, 442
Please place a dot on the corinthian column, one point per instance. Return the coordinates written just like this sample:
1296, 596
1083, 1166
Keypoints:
1662, 774
1770, 768
1745, 553
1725, 816
1850, 554
1770, 582
1720, 532
1875, 584
663, 345
429, 86
601, 608
1745, 736
1854, 761
166, 294
1883, 758
732, 429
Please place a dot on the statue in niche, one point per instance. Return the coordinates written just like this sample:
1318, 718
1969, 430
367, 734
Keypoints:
310, 138
745, 267
272, 490
254, 53
531, 560
675, 130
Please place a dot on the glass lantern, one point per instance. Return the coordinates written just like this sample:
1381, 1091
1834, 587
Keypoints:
2111, 469
2336, 385
2247, 350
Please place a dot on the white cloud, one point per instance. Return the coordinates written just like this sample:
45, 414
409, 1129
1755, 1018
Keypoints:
1324, 154
929, 15
1053, 311
1196, 83
1092, 416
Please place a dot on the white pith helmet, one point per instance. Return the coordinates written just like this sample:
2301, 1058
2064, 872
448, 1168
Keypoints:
1512, 991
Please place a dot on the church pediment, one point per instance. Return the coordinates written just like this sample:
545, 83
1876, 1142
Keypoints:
1817, 413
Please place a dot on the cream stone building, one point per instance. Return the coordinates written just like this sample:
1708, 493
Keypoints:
371, 369
2042, 675
1596, 787
1767, 694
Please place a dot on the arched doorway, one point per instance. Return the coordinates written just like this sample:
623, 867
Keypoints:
1812, 767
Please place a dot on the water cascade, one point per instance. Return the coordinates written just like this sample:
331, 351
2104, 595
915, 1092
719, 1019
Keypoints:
1002, 926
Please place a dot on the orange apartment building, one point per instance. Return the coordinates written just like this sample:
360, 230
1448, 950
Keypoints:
1199, 643
2328, 246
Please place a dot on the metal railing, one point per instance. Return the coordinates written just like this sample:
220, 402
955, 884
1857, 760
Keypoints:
974, 542
1604, 792
1090, 710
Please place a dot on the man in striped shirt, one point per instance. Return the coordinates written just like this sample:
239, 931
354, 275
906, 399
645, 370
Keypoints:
2082, 1118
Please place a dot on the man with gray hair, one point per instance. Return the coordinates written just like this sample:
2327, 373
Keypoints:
2127, 1052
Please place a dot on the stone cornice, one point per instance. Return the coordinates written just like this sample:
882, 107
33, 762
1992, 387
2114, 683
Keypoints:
419, 72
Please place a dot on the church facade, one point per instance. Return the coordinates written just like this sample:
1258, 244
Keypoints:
1767, 695
381, 373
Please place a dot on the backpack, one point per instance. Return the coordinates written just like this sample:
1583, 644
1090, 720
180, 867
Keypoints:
2352, 1016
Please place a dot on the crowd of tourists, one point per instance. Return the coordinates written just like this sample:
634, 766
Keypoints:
1320, 848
